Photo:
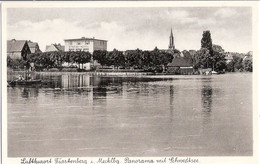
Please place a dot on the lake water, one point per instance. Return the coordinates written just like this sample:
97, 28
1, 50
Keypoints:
80, 115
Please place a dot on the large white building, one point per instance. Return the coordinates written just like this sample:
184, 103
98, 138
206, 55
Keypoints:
85, 44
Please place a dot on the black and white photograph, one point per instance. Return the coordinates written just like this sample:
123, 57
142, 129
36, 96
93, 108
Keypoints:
129, 79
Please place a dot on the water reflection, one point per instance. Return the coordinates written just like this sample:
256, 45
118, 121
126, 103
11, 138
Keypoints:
206, 100
81, 115
171, 95
206, 96
29, 92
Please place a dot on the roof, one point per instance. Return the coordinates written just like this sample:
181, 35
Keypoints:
180, 62
250, 53
32, 44
186, 54
248, 57
15, 45
34, 47
83, 38
228, 57
59, 47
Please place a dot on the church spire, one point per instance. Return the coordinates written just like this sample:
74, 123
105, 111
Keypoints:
171, 44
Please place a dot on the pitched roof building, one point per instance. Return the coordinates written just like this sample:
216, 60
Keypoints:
54, 47
248, 56
17, 49
34, 47
180, 62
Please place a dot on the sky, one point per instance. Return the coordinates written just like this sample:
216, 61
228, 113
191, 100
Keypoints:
131, 28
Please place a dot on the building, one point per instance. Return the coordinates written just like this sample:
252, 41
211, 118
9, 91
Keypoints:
248, 56
17, 49
54, 47
85, 44
180, 65
171, 43
34, 47
228, 57
171, 48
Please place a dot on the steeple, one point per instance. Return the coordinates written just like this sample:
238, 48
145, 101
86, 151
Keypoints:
171, 44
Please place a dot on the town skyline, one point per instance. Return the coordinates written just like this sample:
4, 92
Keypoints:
132, 28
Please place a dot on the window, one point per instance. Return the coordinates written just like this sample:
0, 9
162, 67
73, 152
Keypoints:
70, 42
86, 42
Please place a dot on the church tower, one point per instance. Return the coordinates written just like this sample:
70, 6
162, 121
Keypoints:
171, 44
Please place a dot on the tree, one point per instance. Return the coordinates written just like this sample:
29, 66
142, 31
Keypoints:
154, 57
164, 59
201, 59
116, 58
248, 65
10, 62
80, 57
133, 58
85, 57
235, 64
218, 58
210, 56
238, 63
206, 41
146, 60
100, 57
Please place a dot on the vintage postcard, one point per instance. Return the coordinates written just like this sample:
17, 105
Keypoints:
129, 82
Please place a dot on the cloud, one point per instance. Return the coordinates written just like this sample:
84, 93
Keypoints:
44, 32
133, 28
225, 12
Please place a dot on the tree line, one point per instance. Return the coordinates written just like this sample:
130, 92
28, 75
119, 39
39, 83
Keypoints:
155, 60
209, 56
53, 59
213, 56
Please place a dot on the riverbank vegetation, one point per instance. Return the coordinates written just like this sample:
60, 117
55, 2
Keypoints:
213, 56
155, 60
209, 56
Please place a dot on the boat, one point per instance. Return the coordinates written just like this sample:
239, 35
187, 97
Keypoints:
24, 82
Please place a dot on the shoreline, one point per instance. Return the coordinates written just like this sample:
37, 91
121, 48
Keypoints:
93, 73
117, 74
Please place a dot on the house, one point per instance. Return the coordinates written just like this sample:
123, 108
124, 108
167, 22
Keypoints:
248, 56
228, 57
17, 49
180, 65
34, 47
85, 44
54, 47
